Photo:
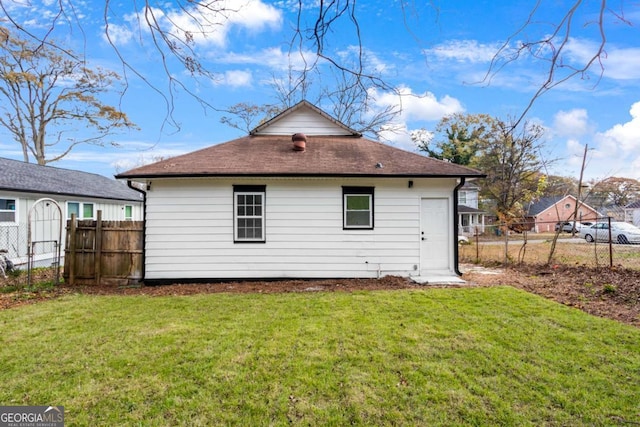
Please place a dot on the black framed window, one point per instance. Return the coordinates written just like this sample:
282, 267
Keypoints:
358, 208
249, 213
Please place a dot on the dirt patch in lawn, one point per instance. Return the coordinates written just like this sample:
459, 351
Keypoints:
612, 293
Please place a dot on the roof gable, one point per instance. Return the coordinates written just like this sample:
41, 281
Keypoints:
305, 118
32, 178
331, 149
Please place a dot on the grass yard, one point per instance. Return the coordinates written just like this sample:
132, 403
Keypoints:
466, 356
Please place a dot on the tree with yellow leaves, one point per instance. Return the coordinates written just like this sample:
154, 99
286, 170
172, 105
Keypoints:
50, 103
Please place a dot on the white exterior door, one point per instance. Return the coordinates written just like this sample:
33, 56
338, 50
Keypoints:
435, 234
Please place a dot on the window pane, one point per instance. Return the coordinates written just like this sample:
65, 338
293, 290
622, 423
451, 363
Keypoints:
358, 210
128, 212
7, 210
7, 216
249, 217
358, 202
358, 218
87, 210
7, 205
73, 208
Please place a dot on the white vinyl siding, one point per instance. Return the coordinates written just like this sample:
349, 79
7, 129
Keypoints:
190, 230
306, 121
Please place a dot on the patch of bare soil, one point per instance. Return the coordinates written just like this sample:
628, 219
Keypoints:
612, 293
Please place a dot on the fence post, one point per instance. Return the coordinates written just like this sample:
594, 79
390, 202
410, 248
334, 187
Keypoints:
476, 235
71, 235
610, 245
98, 250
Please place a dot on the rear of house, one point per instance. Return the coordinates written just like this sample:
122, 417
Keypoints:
325, 203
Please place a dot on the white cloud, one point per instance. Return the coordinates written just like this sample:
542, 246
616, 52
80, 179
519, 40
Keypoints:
571, 123
618, 63
464, 51
625, 136
414, 110
210, 25
206, 24
418, 107
274, 58
237, 78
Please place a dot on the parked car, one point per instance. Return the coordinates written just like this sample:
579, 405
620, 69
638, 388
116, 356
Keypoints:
463, 240
570, 226
621, 232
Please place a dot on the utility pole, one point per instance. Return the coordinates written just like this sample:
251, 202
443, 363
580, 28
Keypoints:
575, 212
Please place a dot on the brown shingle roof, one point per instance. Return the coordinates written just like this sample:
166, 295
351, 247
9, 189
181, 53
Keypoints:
273, 155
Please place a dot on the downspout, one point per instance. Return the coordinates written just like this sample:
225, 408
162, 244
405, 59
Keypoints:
455, 226
144, 226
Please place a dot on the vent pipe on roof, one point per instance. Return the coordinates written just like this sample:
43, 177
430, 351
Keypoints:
299, 141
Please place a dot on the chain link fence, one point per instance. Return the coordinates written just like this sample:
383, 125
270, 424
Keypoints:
13, 239
564, 243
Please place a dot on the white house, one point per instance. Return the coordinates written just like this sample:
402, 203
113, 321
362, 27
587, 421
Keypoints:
323, 203
470, 218
62, 192
632, 213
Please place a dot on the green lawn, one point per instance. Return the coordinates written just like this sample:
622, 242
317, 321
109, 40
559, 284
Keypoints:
467, 356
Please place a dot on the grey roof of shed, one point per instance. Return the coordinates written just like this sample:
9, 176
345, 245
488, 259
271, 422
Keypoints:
543, 204
633, 205
32, 178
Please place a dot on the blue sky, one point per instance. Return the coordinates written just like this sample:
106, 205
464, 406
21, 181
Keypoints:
440, 52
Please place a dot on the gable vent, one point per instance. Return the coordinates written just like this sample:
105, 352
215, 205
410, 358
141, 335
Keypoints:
299, 141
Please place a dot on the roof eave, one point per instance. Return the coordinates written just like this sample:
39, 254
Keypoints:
87, 196
297, 175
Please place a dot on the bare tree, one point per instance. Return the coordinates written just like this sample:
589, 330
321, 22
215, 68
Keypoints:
344, 99
46, 98
552, 48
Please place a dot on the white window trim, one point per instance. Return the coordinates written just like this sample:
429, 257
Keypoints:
358, 191
125, 212
81, 209
249, 191
15, 211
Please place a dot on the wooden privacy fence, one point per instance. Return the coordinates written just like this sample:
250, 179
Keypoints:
103, 252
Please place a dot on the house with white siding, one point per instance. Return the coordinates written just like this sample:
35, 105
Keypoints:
37, 200
301, 196
632, 213
470, 217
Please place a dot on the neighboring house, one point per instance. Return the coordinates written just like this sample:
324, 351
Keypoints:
302, 196
547, 211
632, 213
615, 212
470, 218
22, 184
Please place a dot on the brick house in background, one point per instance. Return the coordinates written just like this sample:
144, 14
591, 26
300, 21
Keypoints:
546, 212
